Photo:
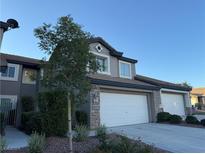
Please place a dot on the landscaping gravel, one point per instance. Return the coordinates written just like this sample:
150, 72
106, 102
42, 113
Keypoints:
60, 145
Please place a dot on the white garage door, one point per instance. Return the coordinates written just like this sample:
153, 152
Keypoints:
173, 103
123, 109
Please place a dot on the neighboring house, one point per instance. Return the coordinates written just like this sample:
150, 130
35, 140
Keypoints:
197, 96
16, 81
119, 96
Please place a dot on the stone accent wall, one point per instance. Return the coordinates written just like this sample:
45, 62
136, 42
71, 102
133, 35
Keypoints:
187, 100
157, 103
95, 107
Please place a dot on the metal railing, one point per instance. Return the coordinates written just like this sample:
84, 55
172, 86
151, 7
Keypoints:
9, 112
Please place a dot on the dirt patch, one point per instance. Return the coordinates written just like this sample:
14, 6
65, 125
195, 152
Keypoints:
60, 145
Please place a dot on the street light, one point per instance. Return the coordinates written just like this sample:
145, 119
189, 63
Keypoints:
5, 26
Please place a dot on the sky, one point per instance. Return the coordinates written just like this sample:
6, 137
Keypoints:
167, 37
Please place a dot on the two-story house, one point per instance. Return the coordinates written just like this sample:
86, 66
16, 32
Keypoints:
119, 96
16, 81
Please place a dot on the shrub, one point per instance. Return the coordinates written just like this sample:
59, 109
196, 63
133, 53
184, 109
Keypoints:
101, 133
54, 106
32, 121
163, 116
191, 120
81, 117
81, 133
125, 145
35, 123
26, 116
2, 124
203, 122
175, 119
199, 105
122, 144
36, 143
3, 144
27, 103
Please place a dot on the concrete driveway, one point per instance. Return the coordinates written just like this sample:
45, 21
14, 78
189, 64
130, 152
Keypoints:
168, 137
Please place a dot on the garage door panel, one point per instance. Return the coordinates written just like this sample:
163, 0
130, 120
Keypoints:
123, 109
173, 103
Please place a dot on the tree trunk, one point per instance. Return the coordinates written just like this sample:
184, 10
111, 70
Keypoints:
70, 123
73, 109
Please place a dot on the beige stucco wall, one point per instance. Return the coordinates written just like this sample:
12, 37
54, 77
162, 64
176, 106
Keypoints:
194, 99
114, 62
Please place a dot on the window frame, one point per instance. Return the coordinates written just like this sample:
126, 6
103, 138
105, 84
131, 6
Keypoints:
122, 76
26, 82
16, 73
108, 60
13, 99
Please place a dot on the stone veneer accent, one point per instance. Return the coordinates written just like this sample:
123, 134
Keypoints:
157, 104
95, 107
188, 109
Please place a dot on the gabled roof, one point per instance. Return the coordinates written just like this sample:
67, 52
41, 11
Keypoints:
113, 52
163, 84
198, 91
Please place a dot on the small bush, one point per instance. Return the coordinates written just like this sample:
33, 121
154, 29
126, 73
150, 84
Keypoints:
55, 108
36, 143
199, 105
191, 120
81, 133
122, 144
203, 122
163, 117
127, 146
3, 144
175, 119
27, 103
2, 123
35, 123
26, 116
101, 133
81, 117
32, 121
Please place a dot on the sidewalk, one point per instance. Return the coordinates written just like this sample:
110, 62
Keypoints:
15, 138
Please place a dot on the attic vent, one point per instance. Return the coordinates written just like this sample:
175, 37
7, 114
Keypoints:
99, 48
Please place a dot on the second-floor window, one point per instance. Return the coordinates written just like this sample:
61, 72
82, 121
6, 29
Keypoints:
102, 64
125, 69
29, 76
10, 73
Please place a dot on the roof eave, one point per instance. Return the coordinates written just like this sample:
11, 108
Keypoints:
121, 84
164, 85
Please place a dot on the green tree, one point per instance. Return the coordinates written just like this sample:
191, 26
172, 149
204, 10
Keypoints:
70, 60
185, 83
